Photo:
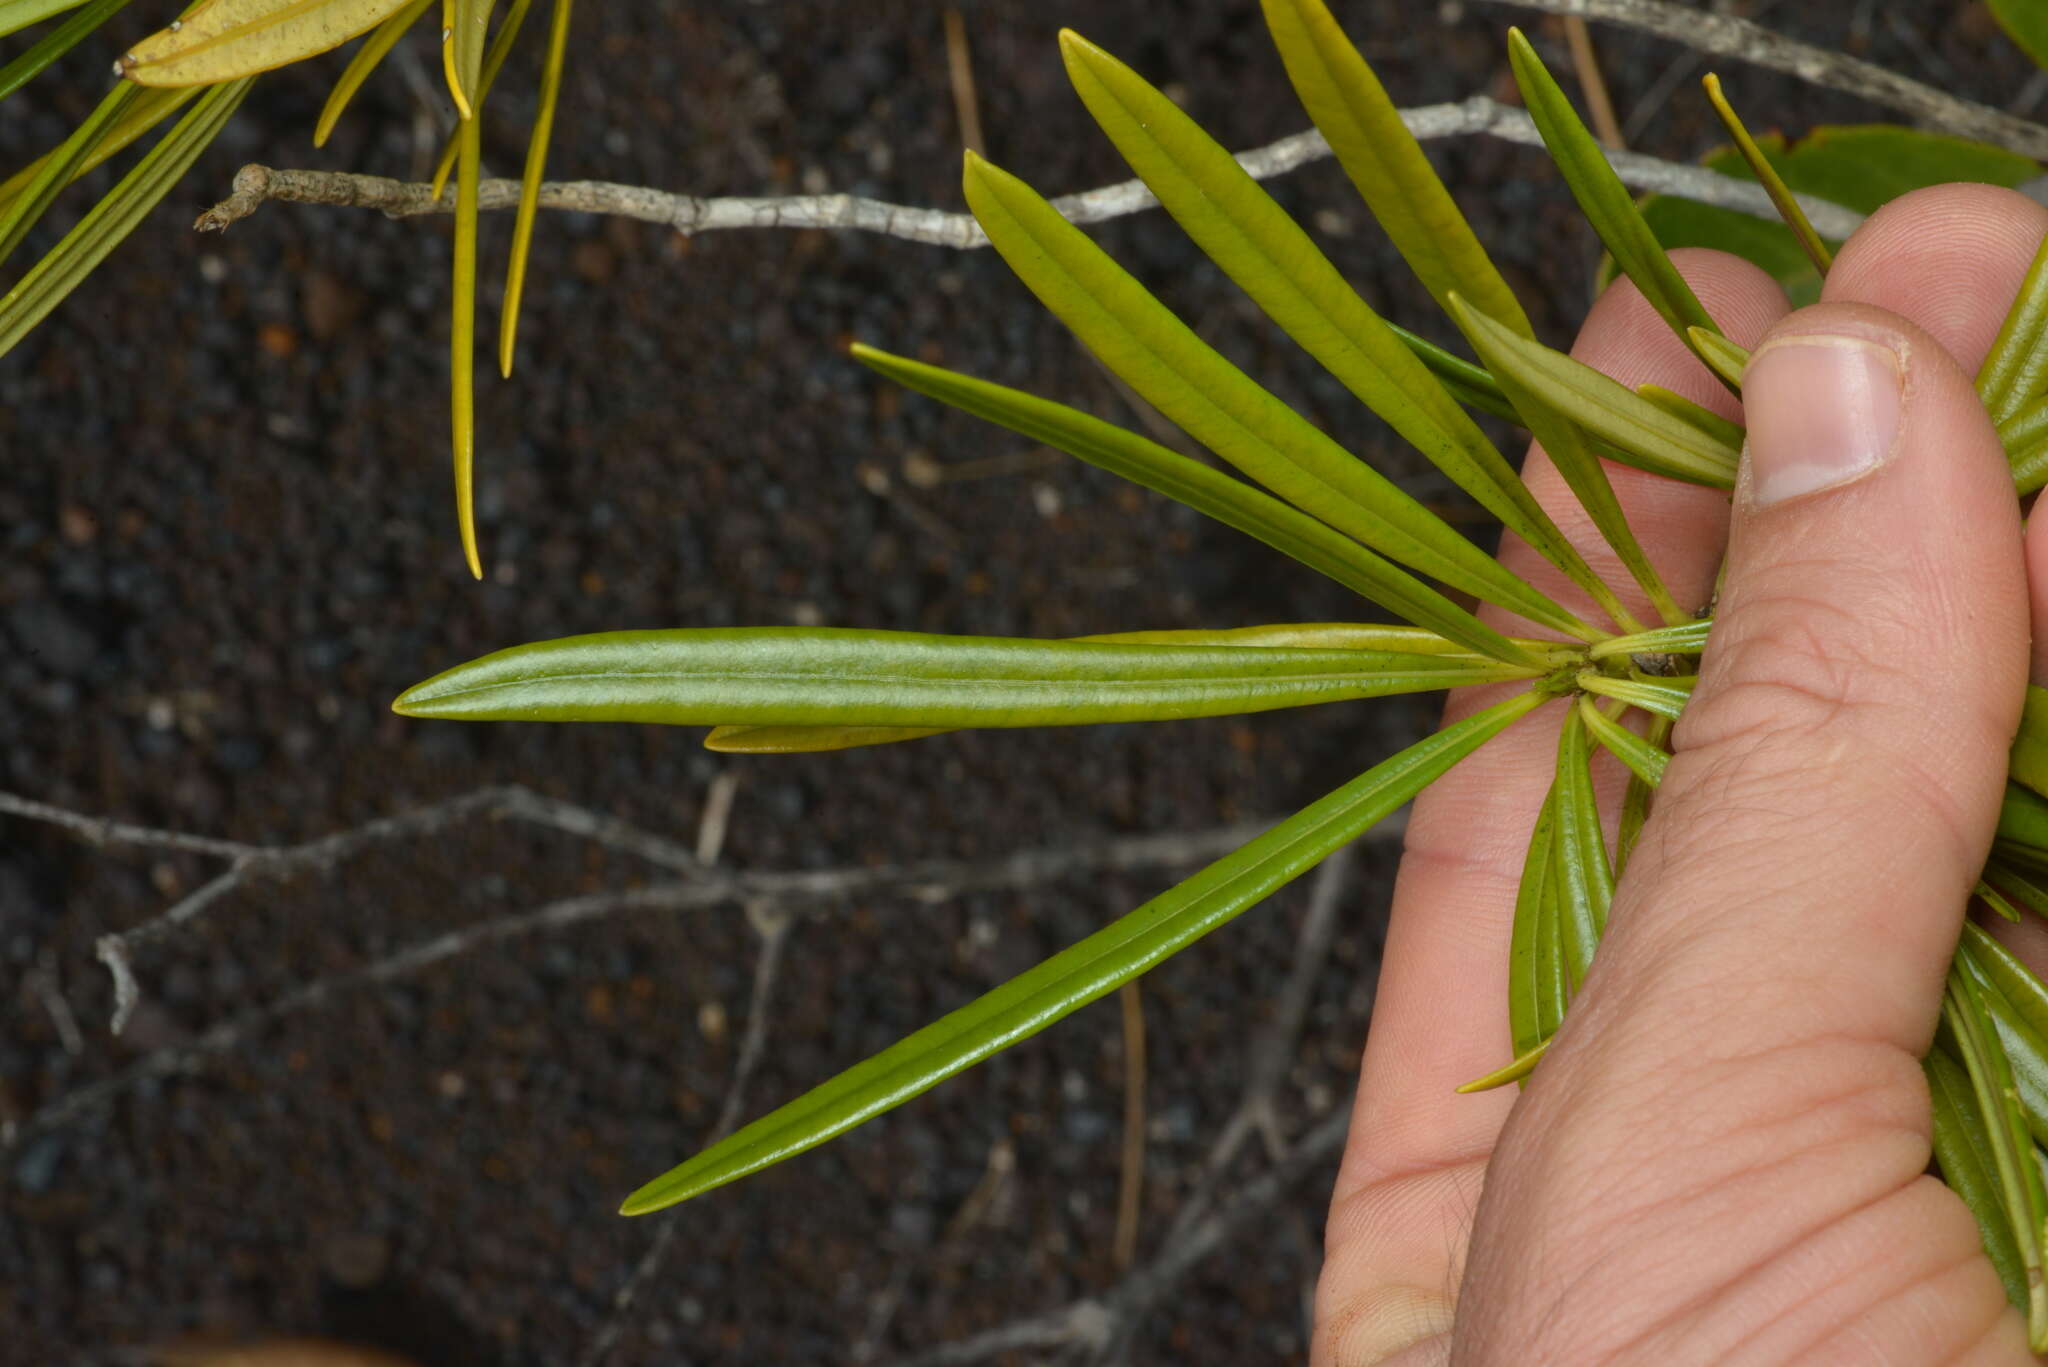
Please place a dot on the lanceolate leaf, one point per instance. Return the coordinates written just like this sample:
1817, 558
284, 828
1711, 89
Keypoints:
1565, 442
1644, 760
2012, 980
115, 216
1213, 401
1687, 638
1522, 1066
790, 740
224, 40
2018, 1176
1606, 202
1664, 697
367, 59
1383, 159
1962, 1146
1537, 985
1086, 971
2015, 370
1656, 439
833, 676
1635, 802
1206, 490
1585, 877
529, 192
1237, 224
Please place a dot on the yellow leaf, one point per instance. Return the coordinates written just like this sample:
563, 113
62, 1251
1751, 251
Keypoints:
223, 40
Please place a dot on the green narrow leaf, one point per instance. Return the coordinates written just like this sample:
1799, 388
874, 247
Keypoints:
1084, 972
2029, 760
1535, 968
1760, 166
144, 113
2025, 1054
493, 62
1585, 877
1522, 1066
529, 191
1716, 427
55, 43
1644, 760
1541, 399
1635, 803
1386, 163
60, 166
115, 216
1687, 638
2018, 887
1209, 398
1659, 440
1208, 491
464, 25
367, 59
2015, 370
462, 341
792, 740
1252, 239
2013, 981
1725, 358
16, 15
834, 676
1663, 697
2023, 820
2012, 1147
1996, 900
1962, 1147
1605, 201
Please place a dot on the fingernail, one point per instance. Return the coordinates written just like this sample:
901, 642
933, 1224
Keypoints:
1823, 411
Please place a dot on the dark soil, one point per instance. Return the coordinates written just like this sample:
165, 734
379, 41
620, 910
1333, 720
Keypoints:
228, 543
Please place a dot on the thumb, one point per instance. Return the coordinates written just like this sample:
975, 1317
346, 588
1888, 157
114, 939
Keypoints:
1836, 778
1734, 1110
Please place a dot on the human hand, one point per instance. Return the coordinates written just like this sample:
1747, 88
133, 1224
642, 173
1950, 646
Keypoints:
1723, 1157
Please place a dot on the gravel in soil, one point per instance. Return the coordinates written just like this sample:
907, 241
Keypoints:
226, 543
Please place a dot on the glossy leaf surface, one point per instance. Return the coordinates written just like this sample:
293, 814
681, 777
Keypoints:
832, 676
791, 740
224, 40
367, 59
1962, 1148
1084, 972
1363, 127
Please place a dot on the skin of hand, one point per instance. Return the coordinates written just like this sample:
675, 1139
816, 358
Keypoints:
1723, 1158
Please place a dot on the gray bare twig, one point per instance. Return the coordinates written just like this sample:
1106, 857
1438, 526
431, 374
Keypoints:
1724, 35
794, 892
257, 185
